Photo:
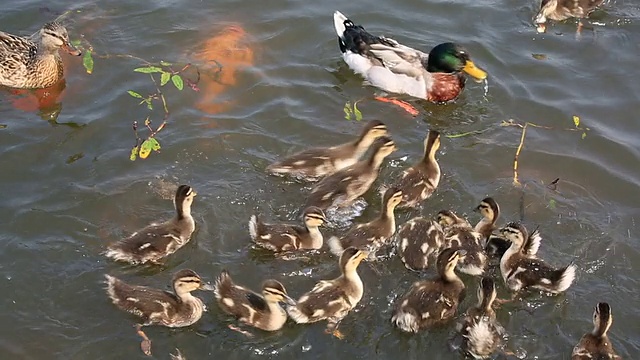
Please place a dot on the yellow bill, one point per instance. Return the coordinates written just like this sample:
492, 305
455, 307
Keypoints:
471, 69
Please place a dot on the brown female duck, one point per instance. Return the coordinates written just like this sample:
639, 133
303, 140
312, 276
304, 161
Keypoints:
564, 9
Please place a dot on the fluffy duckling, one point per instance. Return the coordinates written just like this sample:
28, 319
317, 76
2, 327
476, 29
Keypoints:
332, 300
286, 237
432, 302
419, 240
481, 332
346, 185
596, 344
315, 163
373, 235
564, 9
522, 270
420, 180
490, 211
158, 307
397, 68
459, 234
159, 240
262, 312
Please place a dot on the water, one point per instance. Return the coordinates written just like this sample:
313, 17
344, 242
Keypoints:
70, 189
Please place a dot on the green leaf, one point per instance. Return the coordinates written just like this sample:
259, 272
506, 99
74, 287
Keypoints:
347, 110
164, 63
149, 104
552, 204
134, 153
134, 94
584, 135
145, 149
164, 79
75, 42
148, 69
155, 145
87, 61
177, 81
576, 121
357, 112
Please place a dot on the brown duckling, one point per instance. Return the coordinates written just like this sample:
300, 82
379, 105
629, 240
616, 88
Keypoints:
346, 185
432, 302
564, 9
596, 344
314, 163
286, 237
419, 240
262, 312
420, 180
332, 300
158, 240
495, 246
522, 270
373, 235
158, 307
459, 234
481, 332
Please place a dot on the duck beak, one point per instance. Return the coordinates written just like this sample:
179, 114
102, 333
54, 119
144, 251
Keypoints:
207, 287
71, 49
471, 69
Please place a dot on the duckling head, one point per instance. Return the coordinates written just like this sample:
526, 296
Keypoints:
431, 144
314, 217
447, 261
383, 147
489, 209
184, 198
374, 129
391, 198
602, 319
447, 218
186, 281
274, 291
351, 258
54, 36
514, 232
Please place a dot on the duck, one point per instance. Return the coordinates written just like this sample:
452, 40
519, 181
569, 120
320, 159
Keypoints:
34, 62
432, 302
481, 332
343, 187
459, 234
564, 9
396, 68
161, 239
332, 300
315, 163
495, 246
520, 269
420, 180
288, 237
158, 307
373, 235
419, 240
260, 311
596, 344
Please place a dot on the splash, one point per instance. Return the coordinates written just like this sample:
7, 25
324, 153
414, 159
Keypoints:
342, 217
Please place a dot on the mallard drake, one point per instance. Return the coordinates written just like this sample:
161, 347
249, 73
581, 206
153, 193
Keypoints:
432, 302
495, 246
332, 300
29, 63
420, 180
397, 68
481, 332
157, 307
596, 344
158, 240
521, 268
315, 163
262, 312
373, 235
344, 186
564, 9
286, 237
459, 234
419, 239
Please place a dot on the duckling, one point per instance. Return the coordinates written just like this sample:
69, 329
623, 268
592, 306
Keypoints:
596, 344
490, 211
332, 300
344, 186
262, 312
314, 163
157, 241
419, 239
521, 270
459, 234
285, 237
373, 235
432, 302
564, 9
481, 332
157, 307
420, 180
